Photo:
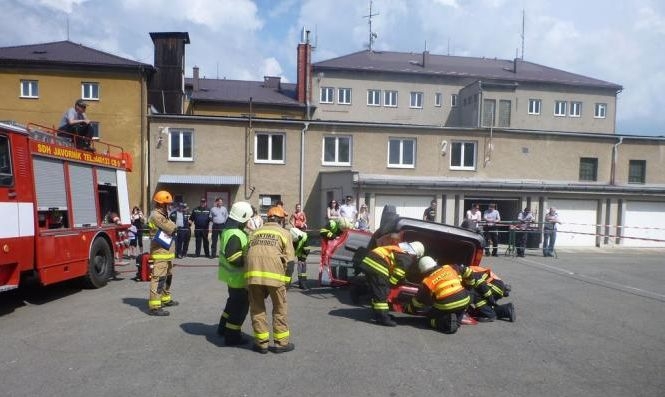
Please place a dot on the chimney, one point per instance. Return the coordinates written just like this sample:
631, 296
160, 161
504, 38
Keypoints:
195, 76
515, 65
272, 82
304, 70
425, 58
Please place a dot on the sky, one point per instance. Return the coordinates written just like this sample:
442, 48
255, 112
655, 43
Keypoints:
617, 41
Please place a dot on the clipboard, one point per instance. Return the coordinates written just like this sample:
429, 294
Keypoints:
163, 239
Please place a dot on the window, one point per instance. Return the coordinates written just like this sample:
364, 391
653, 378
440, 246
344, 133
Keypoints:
588, 169
326, 95
453, 100
401, 152
337, 150
29, 89
504, 113
560, 108
344, 96
489, 108
6, 175
374, 97
637, 171
390, 98
269, 148
416, 100
181, 145
600, 111
437, 99
90, 91
534, 106
463, 156
575, 109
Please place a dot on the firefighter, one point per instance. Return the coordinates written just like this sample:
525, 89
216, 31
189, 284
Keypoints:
301, 249
232, 251
486, 288
384, 267
162, 257
269, 254
441, 296
332, 229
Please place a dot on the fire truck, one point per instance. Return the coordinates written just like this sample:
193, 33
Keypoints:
64, 210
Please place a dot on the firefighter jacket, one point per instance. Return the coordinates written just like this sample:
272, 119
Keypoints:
270, 252
482, 280
234, 244
159, 221
330, 230
301, 248
389, 261
200, 217
443, 290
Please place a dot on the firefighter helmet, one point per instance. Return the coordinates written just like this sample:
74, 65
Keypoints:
241, 211
418, 248
163, 197
426, 263
276, 212
296, 233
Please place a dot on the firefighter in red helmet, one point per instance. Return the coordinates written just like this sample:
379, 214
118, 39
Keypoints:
162, 252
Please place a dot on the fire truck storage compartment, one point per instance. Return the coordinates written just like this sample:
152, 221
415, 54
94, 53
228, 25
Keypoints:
51, 196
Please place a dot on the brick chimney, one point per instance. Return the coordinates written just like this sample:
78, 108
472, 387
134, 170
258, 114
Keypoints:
304, 78
165, 89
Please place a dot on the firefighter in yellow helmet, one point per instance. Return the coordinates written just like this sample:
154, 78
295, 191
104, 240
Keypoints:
269, 255
162, 252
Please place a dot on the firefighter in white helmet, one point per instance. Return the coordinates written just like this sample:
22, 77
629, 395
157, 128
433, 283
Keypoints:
384, 267
162, 252
301, 249
232, 251
441, 296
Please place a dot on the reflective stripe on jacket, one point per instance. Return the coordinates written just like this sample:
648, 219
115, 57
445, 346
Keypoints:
231, 268
385, 261
444, 289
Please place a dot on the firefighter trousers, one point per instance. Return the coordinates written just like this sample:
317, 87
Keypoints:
235, 312
378, 287
160, 284
257, 310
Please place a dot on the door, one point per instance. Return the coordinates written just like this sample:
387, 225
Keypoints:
406, 206
644, 224
578, 227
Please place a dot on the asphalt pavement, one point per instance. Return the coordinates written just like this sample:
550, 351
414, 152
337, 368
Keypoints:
589, 323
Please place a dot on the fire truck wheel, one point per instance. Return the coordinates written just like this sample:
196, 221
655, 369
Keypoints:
100, 265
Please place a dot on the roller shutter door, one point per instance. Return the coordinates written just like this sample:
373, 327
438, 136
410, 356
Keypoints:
644, 220
406, 206
578, 217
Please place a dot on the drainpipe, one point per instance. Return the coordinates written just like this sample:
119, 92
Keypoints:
301, 196
615, 155
249, 189
480, 105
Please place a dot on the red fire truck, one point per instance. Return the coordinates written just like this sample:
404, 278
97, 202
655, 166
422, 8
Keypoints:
56, 203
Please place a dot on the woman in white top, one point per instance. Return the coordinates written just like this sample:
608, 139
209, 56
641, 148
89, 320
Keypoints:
332, 212
254, 222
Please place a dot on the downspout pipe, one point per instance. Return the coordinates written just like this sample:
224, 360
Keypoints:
301, 191
615, 158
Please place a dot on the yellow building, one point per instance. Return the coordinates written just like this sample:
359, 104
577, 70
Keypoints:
41, 81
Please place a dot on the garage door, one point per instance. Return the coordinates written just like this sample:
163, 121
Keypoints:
406, 206
578, 227
644, 220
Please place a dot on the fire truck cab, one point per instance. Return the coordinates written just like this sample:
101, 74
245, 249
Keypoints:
64, 211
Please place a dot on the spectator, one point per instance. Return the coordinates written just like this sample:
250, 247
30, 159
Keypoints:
549, 232
254, 223
491, 217
363, 218
430, 212
138, 219
524, 219
332, 212
218, 215
201, 219
298, 219
348, 211
474, 217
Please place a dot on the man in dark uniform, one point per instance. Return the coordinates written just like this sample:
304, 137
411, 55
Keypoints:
201, 219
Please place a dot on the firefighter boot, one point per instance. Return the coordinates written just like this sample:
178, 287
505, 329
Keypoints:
302, 283
505, 312
158, 311
221, 328
235, 338
382, 318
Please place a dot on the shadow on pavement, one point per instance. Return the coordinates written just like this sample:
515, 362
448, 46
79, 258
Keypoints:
34, 294
210, 333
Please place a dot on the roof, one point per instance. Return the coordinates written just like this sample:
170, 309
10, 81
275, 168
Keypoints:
65, 53
202, 179
458, 67
240, 91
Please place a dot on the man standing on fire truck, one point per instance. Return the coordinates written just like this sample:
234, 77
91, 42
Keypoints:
162, 252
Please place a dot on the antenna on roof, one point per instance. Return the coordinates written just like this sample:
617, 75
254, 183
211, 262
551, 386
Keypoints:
68, 27
522, 35
372, 35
